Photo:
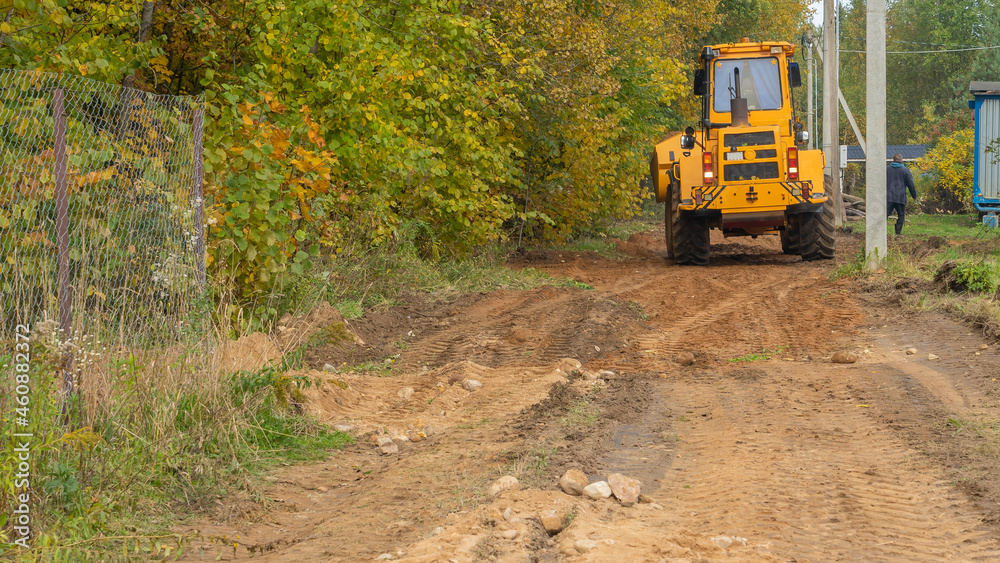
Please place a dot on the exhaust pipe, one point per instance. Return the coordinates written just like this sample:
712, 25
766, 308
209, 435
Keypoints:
738, 105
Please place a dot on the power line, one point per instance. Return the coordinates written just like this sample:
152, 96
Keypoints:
913, 42
926, 52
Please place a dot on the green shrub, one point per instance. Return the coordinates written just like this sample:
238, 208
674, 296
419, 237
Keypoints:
979, 277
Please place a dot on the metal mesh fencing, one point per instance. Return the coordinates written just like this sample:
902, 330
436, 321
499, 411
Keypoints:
100, 209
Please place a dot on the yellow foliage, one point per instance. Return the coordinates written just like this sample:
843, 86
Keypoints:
949, 164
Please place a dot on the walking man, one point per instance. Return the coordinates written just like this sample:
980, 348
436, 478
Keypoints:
897, 180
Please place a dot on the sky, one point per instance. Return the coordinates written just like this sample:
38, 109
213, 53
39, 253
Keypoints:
818, 13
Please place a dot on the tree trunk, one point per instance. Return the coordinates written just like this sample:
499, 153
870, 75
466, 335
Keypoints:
146, 23
145, 27
3, 36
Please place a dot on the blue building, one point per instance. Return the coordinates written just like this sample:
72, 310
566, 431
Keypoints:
986, 166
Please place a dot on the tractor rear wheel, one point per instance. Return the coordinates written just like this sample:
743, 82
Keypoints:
668, 213
668, 228
687, 235
790, 236
816, 238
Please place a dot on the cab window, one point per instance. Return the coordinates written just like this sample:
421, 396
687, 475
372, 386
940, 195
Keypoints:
760, 83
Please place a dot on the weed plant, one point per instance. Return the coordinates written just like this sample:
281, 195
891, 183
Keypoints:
361, 278
765, 354
974, 252
152, 435
162, 428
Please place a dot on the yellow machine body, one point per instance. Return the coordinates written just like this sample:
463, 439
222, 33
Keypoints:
753, 187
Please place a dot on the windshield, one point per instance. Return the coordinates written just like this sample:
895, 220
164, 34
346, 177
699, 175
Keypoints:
760, 83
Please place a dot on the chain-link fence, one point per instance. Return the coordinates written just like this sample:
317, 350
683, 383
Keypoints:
100, 209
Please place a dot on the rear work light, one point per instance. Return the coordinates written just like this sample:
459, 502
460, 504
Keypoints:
706, 168
793, 163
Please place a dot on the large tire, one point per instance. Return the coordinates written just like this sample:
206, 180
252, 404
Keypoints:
668, 228
668, 212
816, 239
688, 234
790, 236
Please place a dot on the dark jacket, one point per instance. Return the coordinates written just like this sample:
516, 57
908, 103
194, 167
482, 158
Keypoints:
897, 180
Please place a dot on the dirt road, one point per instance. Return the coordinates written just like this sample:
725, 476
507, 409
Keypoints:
761, 449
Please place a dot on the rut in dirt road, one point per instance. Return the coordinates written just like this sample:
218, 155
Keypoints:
787, 453
790, 457
762, 441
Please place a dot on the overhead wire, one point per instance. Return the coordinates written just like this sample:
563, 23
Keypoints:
914, 42
927, 52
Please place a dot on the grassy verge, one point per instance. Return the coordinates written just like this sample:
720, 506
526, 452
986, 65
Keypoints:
948, 263
367, 279
362, 278
601, 240
958, 227
153, 436
167, 431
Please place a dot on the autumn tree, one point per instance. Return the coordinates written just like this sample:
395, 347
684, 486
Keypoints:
98, 39
332, 125
935, 50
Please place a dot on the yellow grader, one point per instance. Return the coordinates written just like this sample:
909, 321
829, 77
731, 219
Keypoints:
742, 171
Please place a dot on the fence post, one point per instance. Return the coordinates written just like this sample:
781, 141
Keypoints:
199, 203
62, 231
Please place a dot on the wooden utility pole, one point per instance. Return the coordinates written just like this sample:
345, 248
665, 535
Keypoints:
199, 205
876, 245
62, 241
811, 114
831, 113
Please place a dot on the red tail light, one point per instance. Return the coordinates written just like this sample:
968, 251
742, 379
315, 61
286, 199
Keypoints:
706, 168
793, 163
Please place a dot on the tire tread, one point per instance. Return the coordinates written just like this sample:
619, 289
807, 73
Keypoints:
816, 230
690, 235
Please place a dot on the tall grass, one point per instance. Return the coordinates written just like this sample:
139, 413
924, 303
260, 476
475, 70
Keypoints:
952, 227
972, 255
361, 277
163, 428
155, 433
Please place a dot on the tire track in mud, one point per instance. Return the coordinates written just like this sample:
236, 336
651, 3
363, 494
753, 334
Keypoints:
768, 313
812, 478
793, 460
675, 335
523, 328
808, 460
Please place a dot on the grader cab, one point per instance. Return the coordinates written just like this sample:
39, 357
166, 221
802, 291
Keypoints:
743, 171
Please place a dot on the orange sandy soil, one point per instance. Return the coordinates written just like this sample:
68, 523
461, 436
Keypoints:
792, 458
